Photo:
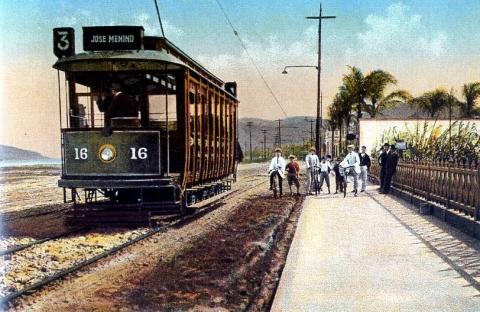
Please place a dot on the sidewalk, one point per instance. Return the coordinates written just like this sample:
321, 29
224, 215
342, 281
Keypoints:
372, 253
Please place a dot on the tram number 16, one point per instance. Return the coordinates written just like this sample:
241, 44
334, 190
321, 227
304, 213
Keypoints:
81, 153
140, 153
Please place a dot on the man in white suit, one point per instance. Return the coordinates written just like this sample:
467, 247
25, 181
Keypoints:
277, 167
352, 160
311, 161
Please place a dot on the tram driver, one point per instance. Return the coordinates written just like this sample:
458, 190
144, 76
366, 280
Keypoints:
120, 110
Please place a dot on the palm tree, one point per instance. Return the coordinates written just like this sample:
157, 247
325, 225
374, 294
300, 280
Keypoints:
335, 123
471, 92
343, 105
433, 102
376, 82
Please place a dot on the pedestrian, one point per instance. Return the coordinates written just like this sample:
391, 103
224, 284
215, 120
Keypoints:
338, 170
311, 161
352, 165
325, 167
382, 161
293, 170
390, 168
364, 167
277, 168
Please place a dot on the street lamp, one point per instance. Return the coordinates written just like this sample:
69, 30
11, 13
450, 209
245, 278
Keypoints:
305, 66
285, 68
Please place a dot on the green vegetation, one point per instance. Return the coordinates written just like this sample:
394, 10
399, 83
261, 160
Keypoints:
360, 94
460, 142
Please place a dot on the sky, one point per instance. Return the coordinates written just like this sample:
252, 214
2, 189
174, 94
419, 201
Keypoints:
424, 44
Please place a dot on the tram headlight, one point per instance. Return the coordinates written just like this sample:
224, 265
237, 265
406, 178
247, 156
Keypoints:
107, 153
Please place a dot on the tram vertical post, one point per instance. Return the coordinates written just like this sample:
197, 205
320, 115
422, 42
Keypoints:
318, 125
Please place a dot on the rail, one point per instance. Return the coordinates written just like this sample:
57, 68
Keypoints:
454, 185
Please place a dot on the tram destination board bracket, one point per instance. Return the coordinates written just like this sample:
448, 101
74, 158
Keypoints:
110, 38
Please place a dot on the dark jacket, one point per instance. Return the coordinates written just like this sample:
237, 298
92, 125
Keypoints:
122, 105
365, 160
382, 159
391, 163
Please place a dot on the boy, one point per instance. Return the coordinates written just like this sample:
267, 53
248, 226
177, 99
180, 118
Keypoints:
338, 176
325, 168
292, 173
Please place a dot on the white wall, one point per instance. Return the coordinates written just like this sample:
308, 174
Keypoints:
372, 129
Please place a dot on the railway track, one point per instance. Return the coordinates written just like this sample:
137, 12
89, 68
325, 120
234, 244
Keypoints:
77, 266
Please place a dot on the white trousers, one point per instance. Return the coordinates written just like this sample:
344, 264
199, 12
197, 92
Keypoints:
363, 176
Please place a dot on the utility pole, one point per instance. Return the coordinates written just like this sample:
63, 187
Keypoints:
264, 152
318, 125
249, 125
311, 121
279, 133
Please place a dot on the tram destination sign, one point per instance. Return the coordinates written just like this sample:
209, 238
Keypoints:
102, 38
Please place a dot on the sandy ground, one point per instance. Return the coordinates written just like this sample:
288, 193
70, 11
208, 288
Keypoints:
221, 261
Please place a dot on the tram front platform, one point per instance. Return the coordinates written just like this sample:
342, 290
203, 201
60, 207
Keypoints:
375, 252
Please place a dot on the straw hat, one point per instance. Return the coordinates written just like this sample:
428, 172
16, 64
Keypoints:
291, 156
312, 149
351, 146
278, 150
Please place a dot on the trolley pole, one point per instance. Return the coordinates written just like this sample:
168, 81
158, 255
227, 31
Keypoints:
249, 125
318, 125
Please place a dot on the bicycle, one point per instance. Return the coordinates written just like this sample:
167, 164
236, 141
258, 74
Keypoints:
316, 185
275, 181
346, 173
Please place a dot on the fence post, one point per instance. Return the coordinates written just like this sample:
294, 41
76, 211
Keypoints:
477, 200
449, 183
414, 181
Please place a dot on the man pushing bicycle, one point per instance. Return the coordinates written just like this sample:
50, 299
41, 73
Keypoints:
277, 168
351, 164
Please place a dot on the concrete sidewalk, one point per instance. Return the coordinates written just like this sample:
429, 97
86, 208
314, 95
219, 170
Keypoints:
372, 253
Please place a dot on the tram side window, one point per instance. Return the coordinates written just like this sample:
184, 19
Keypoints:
163, 107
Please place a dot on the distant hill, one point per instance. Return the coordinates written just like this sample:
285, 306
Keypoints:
294, 130
10, 153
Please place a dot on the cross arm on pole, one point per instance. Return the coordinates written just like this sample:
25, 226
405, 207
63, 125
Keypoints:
320, 17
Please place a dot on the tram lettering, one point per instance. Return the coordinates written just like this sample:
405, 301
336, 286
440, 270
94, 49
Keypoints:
63, 43
121, 38
141, 153
98, 38
81, 153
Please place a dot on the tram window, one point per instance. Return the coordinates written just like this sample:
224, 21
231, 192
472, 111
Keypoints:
158, 111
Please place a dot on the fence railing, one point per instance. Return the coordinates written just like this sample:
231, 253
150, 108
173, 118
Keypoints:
451, 184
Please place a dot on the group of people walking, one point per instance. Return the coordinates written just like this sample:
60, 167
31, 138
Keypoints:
356, 164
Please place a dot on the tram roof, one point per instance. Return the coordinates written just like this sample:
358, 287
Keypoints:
120, 61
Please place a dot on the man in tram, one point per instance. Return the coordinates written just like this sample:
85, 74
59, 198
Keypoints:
119, 107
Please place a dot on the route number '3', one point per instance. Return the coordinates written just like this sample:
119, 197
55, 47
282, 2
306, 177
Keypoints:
63, 42
81, 153
141, 153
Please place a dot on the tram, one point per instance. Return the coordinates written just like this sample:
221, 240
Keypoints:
146, 126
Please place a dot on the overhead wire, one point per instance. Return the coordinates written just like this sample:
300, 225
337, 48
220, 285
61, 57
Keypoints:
235, 32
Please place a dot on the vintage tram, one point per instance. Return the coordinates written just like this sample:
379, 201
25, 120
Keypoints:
177, 148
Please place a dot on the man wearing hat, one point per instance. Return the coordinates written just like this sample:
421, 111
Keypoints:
352, 161
311, 161
277, 167
382, 161
390, 168
292, 174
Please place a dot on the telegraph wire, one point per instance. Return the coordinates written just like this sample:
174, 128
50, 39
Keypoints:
235, 32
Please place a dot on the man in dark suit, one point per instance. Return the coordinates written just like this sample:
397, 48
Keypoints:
382, 161
116, 105
390, 168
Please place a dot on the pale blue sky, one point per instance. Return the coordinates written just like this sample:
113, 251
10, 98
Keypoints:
424, 43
